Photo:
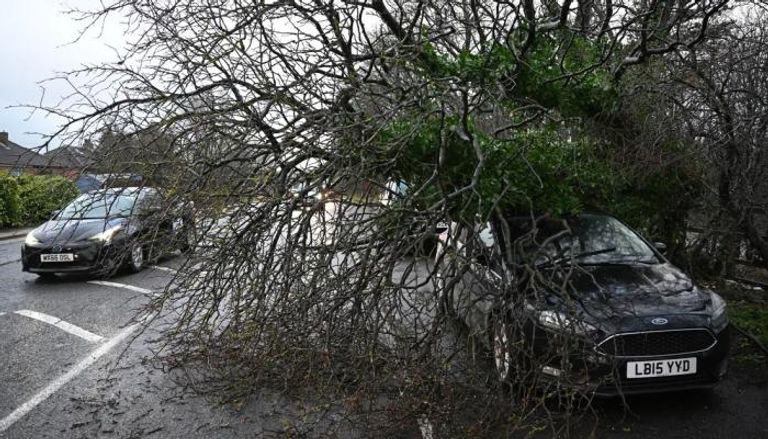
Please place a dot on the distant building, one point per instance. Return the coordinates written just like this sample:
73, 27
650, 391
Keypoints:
16, 160
72, 157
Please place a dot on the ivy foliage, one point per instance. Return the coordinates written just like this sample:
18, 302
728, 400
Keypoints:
558, 168
536, 167
569, 77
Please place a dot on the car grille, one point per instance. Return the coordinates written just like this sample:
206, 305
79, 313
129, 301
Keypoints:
655, 343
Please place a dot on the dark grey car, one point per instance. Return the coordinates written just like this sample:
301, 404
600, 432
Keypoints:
632, 321
104, 230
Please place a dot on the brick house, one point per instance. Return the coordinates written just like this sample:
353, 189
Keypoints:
16, 160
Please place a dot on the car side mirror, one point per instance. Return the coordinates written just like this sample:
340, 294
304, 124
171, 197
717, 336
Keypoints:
661, 247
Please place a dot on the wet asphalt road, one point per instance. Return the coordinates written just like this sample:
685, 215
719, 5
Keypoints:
121, 395
736, 408
34, 352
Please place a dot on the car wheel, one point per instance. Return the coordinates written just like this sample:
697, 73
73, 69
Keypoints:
135, 259
501, 346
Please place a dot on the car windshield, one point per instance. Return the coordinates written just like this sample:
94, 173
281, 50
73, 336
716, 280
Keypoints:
588, 239
100, 205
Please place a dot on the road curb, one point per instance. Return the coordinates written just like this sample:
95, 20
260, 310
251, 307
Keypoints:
13, 234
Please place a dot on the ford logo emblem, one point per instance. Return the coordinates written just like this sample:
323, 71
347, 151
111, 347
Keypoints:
659, 321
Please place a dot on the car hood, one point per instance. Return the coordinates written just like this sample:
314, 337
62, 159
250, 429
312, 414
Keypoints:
59, 231
628, 297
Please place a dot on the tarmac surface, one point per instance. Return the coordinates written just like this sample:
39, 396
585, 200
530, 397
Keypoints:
70, 367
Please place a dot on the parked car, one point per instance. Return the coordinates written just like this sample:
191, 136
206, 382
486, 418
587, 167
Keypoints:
104, 230
635, 323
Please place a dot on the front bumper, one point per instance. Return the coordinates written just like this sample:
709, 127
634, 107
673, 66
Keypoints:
610, 380
89, 257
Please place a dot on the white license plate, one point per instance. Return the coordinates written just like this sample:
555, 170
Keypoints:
57, 257
661, 368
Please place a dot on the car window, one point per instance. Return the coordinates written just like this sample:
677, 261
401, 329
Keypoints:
597, 233
591, 238
150, 203
98, 205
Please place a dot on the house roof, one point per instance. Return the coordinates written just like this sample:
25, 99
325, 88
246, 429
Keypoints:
68, 157
14, 155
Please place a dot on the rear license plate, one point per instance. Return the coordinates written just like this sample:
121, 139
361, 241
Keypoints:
57, 257
661, 368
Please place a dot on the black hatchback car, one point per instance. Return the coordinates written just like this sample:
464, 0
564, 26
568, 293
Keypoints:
104, 230
624, 321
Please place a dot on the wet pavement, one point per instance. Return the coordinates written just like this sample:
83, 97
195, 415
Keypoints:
65, 383
736, 408
119, 394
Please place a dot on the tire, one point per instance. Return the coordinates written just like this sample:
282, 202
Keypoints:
135, 258
510, 360
501, 351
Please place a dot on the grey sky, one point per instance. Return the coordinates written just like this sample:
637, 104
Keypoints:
34, 37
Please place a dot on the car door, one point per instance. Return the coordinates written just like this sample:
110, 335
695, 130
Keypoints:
156, 226
478, 283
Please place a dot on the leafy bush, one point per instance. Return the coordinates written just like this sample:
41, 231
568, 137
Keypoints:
752, 318
41, 194
10, 205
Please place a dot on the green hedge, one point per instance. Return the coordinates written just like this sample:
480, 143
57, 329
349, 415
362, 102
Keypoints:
30, 199
10, 204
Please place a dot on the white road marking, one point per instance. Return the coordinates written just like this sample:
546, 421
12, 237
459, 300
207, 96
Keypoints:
2, 314
59, 382
61, 324
10, 262
161, 268
123, 286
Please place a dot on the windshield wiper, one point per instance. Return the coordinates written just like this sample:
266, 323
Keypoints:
637, 259
577, 256
594, 252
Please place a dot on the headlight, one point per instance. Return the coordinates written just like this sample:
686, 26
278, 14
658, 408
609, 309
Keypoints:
107, 235
560, 322
719, 317
31, 240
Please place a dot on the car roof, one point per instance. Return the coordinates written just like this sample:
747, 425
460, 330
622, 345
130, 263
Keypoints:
126, 191
527, 215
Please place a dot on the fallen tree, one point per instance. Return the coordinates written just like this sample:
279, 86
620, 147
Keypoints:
406, 115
